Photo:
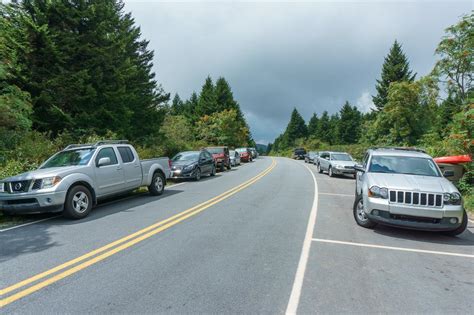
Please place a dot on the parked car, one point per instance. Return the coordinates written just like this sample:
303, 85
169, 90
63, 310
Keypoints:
254, 153
234, 158
311, 157
245, 154
336, 163
405, 188
72, 181
193, 164
221, 156
299, 154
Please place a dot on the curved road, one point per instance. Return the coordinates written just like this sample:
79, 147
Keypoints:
262, 238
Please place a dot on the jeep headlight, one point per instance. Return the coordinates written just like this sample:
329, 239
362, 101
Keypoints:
452, 198
49, 182
378, 192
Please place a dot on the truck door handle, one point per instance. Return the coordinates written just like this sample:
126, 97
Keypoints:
136, 165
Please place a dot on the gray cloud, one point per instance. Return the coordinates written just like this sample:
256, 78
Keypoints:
276, 56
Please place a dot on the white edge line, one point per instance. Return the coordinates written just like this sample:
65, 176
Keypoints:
342, 195
56, 216
392, 248
29, 223
299, 277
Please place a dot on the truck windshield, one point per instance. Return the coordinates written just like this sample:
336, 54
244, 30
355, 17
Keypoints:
186, 156
341, 157
403, 165
70, 158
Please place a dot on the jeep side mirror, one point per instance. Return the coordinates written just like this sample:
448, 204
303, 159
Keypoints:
448, 173
103, 161
359, 168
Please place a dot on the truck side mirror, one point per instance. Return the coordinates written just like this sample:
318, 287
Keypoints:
103, 161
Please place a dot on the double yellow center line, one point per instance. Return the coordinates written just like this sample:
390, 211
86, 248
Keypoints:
77, 264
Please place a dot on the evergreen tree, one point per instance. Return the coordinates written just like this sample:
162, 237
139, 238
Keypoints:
395, 69
333, 134
207, 102
224, 96
296, 129
88, 70
177, 105
313, 125
323, 132
349, 124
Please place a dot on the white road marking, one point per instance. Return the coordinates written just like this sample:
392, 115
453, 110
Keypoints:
29, 223
341, 195
299, 277
56, 216
393, 248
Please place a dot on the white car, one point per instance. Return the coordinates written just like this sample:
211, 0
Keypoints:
234, 158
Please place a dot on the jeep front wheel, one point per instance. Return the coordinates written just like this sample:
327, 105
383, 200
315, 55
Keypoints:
359, 214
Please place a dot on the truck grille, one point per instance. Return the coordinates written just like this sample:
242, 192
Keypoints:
19, 186
37, 184
416, 198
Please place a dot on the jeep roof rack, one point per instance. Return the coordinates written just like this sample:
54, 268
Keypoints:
400, 149
102, 142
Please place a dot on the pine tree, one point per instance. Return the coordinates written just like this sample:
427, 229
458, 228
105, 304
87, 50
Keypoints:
313, 125
177, 105
349, 124
88, 69
396, 68
207, 102
333, 133
224, 96
323, 132
296, 129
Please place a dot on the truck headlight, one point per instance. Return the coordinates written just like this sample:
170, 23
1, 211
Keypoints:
378, 192
49, 182
452, 198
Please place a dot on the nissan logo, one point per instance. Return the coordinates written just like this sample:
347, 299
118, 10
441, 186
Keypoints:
17, 186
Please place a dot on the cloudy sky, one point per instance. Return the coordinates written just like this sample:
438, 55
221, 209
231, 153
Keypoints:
312, 55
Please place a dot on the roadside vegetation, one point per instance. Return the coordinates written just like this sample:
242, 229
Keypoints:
434, 112
78, 72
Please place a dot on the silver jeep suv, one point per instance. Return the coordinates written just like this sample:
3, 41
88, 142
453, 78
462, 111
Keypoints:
405, 188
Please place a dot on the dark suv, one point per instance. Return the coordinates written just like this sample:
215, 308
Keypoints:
221, 156
299, 154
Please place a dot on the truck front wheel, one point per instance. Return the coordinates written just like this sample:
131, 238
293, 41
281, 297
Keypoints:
78, 202
157, 185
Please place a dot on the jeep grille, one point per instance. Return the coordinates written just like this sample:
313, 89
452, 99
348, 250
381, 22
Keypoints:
416, 198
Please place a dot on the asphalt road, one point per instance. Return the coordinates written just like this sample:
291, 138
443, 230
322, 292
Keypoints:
262, 238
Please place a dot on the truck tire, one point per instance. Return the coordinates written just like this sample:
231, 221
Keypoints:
78, 203
222, 168
461, 228
359, 214
157, 185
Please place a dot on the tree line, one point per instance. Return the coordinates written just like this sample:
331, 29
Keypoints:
435, 111
79, 70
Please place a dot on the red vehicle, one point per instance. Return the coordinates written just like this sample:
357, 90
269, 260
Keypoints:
245, 154
221, 156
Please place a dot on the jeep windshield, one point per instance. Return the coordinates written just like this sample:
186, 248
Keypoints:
70, 158
403, 165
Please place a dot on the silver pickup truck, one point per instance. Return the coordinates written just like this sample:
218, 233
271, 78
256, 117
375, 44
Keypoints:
73, 180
